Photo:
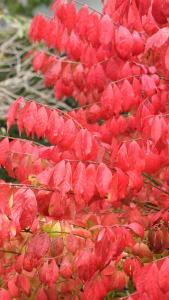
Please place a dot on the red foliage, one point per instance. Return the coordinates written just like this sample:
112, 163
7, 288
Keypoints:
89, 213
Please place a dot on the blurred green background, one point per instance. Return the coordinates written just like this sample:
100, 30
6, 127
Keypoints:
24, 7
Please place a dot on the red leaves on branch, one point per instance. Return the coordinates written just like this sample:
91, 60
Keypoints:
86, 214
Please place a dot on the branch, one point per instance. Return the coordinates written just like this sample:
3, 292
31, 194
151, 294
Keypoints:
156, 184
91, 8
10, 251
21, 140
26, 186
126, 297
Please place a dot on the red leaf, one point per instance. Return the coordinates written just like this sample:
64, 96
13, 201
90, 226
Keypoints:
119, 280
57, 205
108, 100
128, 95
4, 295
4, 151
156, 129
72, 243
91, 177
13, 289
59, 173
67, 182
19, 263
86, 264
24, 208
41, 122
41, 295
148, 85
138, 43
30, 117
158, 39
69, 133
45, 177
106, 30
55, 128
103, 179
57, 246
85, 145
103, 246
49, 273
137, 228
12, 112
163, 276
21, 116
167, 59
146, 280
79, 181
24, 284
39, 245
123, 42
66, 268
39, 60
131, 265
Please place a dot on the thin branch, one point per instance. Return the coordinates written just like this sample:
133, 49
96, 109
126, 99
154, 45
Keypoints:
26, 186
155, 184
60, 111
90, 7
10, 251
21, 140
126, 297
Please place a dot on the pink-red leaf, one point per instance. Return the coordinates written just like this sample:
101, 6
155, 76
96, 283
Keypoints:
103, 179
4, 151
24, 209
163, 276
39, 245
106, 30
158, 39
137, 228
12, 112
156, 129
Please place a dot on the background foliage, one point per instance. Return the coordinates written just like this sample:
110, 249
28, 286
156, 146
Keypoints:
24, 7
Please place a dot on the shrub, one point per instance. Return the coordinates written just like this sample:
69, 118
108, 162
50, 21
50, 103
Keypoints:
87, 215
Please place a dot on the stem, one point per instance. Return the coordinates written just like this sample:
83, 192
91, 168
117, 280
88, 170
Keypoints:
91, 8
60, 111
126, 297
155, 183
25, 186
20, 139
10, 251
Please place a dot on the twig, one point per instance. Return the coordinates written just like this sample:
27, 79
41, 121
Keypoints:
26, 186
21, 140
10, 251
